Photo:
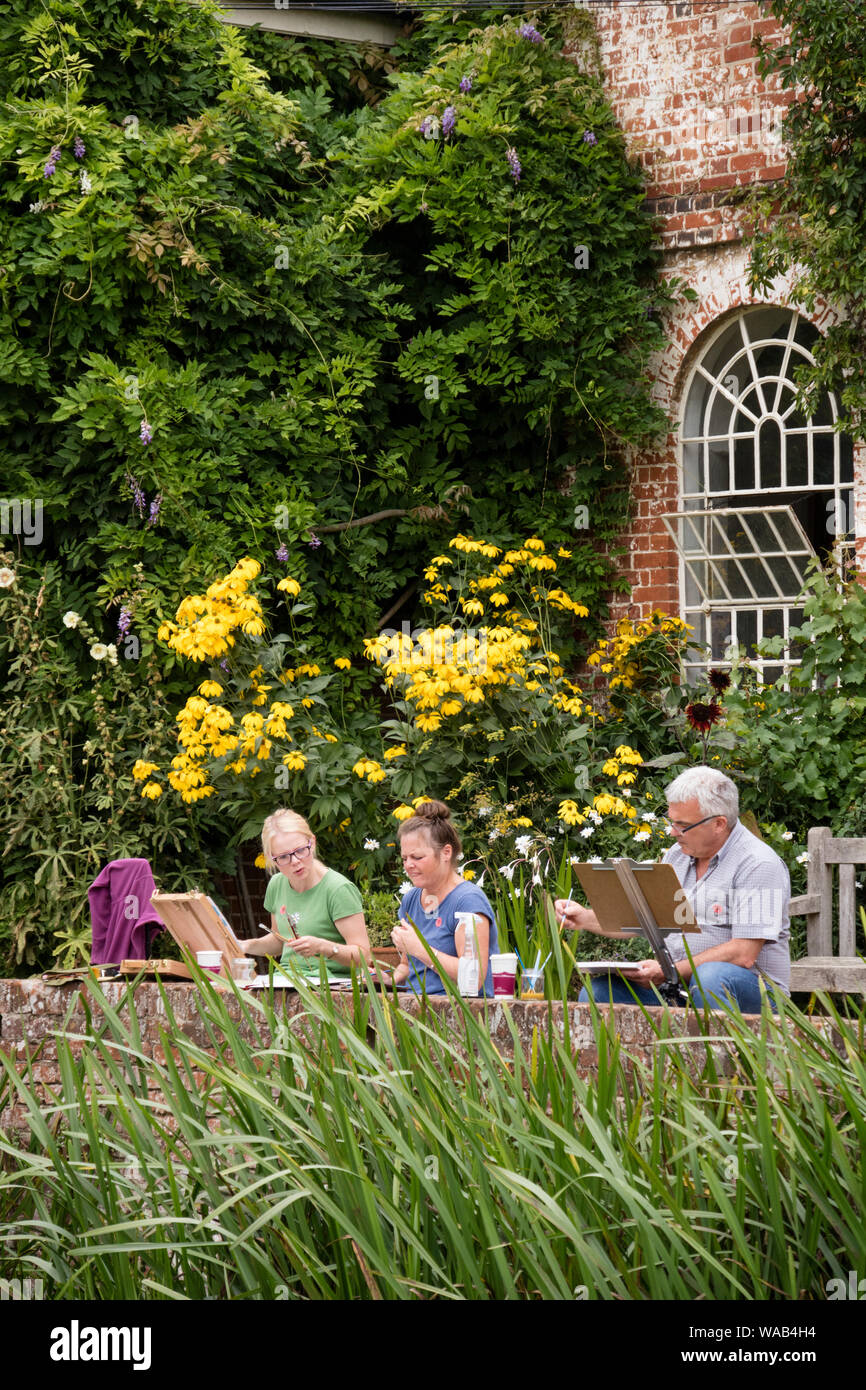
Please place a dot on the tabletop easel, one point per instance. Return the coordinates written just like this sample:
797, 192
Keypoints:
643, 900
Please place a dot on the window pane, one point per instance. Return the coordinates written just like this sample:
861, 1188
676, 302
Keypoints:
747, 629
770, 455
692, 471
797, 460
768, 360
772, 674
773, 622
720, 468
823, 447
744, 465
846, 458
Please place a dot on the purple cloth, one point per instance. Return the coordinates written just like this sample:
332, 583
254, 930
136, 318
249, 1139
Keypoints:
123, 920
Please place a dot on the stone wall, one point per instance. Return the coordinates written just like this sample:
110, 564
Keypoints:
33, 1014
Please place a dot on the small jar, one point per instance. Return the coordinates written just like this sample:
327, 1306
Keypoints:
243, 969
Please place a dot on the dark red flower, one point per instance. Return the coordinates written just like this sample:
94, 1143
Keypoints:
703, 717
719, 680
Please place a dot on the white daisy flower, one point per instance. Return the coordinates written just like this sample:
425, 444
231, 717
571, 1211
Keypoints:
71, 618
587, 831
371, 844
787, 834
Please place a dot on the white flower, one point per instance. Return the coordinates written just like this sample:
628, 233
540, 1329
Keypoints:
803, 858
71, 618
405, 887
484, 810
99, 651
112, 653
787, 834
649, 816
507, 871
86, 185
371, 844
7, 578
522, 843
38, 206
509, 805
641, 835
587, 831
595, 860
536, 880
625, 791
494, 835
595, 817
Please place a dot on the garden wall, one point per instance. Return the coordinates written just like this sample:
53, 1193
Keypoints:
33, 1013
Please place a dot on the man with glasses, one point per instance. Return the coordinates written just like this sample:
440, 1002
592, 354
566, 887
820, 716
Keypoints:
739, 891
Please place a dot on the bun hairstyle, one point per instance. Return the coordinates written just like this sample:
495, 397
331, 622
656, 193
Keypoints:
282, 822
433, 819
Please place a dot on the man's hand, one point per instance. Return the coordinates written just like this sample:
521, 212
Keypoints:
573, 916
645, 973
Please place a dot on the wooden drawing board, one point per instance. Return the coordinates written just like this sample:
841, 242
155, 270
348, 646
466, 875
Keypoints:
168, 969
660, 886
197, 923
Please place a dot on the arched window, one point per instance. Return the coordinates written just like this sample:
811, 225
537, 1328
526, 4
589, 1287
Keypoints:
763, 487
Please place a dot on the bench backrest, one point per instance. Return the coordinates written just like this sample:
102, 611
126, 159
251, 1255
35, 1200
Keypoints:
817, 903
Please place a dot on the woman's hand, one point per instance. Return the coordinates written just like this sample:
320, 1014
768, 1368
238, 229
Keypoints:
308, 945
407, 941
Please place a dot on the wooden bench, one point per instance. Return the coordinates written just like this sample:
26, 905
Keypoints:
843, 972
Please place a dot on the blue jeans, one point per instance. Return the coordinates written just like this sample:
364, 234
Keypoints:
715, 985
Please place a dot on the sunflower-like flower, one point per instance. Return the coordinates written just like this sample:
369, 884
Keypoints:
702, 717
719, 680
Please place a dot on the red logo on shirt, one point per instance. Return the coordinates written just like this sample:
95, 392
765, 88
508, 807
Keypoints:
438, 921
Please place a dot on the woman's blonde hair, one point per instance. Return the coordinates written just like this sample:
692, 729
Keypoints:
282, 822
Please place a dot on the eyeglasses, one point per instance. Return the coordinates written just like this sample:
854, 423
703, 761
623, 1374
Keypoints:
677, 829
292, 854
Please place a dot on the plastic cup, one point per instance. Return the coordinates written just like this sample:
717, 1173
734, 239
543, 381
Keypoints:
504, 968
209, 960
532, 984
243, 969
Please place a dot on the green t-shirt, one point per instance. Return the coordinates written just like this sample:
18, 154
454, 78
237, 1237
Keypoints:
333, 898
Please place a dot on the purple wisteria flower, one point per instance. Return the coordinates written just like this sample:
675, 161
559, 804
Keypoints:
314, 541
224, 666
154, 509
53, 161
124, 622
78, 148
513, 163
529, 31
282, 554
589, 138
430, 128
466, 83
449, 120
145, 433
138, 498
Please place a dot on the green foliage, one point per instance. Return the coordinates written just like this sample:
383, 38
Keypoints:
801, 743
373, 1155
68, 801
814, 223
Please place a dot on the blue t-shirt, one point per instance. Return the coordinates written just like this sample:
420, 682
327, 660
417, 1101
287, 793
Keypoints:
438, 930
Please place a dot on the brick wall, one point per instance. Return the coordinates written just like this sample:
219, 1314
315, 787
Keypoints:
33, 1014
683, 83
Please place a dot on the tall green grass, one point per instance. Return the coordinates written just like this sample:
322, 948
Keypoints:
359, 1152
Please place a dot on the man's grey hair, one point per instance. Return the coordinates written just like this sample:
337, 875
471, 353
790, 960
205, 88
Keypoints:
715, 793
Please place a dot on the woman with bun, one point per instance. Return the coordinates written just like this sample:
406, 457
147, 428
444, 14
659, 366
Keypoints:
429, 846
314, 910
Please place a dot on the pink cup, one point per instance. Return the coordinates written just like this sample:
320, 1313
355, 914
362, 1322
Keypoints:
504, 969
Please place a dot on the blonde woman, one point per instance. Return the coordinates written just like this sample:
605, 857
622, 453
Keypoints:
314, 910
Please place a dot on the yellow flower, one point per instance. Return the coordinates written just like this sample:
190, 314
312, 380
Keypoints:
403, 812
472, 606
343, 663
427, 723
151, 790
210, 688
143, 769
399, 751
295, 762
610, 768
626, 778
451, 707
499, 600
521, 820
469, 873
534, 543
253, 627
569, 813
563, 553
290, 586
